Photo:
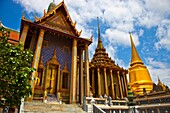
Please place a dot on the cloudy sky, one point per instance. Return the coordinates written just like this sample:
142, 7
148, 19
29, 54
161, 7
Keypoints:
147, 20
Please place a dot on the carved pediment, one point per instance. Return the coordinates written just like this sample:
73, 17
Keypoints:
59, 19
58, 22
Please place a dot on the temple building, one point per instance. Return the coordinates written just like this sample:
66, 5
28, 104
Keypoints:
59, 52
105, 76
139, 77
64, 73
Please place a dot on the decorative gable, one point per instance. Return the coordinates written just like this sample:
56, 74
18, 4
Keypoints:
58, 19
58, 22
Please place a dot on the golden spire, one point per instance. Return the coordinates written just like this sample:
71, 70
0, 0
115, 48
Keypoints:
99, 45
135, 56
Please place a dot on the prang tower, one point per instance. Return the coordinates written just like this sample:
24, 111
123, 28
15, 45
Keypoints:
139, 76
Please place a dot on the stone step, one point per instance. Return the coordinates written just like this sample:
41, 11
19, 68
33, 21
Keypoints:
31, 107
52, 97
65, 99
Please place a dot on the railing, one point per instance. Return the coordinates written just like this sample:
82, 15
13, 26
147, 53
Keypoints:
97, 109
154, 108
106, 101
120, 106
108, 105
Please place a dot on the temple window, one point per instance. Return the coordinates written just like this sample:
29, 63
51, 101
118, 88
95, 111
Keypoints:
40, 74
65, 78
65, 81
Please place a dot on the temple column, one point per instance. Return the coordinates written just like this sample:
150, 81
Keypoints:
93, 86
125, 82
99, 84
77, 83
37, 57
73, 72
112, 84
24, 34
105, 81
81, 92
87, 71
120, 85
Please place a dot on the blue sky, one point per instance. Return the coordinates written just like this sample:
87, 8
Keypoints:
147, 20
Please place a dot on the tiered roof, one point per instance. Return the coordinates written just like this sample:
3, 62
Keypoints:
101, 58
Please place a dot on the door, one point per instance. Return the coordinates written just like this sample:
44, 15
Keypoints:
52, 79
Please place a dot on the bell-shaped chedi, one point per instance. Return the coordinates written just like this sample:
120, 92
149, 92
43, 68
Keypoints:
139, 76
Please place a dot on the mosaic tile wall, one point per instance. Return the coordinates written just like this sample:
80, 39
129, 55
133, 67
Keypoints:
63, 47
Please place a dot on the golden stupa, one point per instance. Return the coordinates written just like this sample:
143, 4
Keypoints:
139, 76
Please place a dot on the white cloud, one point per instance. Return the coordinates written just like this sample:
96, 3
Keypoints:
160, 7
141, 31
33, 6
156, 64
163, 34
118, 37
92, 48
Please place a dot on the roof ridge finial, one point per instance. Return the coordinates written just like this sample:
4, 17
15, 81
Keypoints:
100, 45
159, 79
99, 39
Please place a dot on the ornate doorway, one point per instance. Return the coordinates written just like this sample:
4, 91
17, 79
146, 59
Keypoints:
53, 75
52, 79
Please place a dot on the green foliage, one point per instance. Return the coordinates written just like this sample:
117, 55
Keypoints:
15, 72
